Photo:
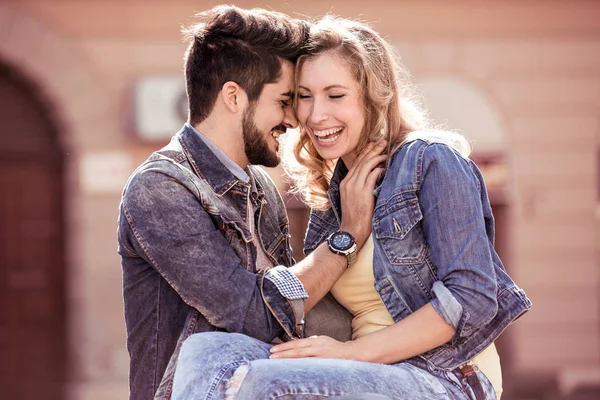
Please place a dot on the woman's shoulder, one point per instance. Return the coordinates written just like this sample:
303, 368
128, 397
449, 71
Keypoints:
420, 141
421, 151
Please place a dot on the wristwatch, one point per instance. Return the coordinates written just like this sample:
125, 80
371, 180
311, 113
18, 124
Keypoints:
343, 243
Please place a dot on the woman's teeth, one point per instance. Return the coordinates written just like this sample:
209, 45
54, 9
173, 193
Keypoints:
328, 135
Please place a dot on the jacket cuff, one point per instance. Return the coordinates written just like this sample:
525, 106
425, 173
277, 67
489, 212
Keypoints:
446, 304
284, 295
288, 285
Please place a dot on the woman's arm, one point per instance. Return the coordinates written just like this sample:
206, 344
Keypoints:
464, 294
421, 331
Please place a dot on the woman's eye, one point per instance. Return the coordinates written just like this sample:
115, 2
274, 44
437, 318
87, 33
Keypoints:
303, 96
336, 96
285, 103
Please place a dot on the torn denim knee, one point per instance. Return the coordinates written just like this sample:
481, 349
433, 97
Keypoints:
236, 380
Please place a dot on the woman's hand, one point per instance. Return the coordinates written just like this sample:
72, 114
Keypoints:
356, 192
314, 346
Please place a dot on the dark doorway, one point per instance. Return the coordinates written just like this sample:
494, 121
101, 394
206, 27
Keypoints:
32, 262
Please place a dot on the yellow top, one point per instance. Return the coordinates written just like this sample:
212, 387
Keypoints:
355, 290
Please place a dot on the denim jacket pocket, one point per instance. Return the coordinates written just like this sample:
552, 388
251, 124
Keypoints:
232, 226
274, 238
278, 248
396, 227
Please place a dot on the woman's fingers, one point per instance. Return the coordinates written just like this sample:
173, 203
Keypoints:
359, 182
371, 180
294, 348
315, 346
365, 157
372, 149
293, 344
358, 159
365, 169
295, 353
356, 193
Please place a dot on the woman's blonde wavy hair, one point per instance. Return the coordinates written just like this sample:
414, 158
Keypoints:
391, 109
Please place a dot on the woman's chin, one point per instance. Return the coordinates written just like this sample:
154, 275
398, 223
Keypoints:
328, 154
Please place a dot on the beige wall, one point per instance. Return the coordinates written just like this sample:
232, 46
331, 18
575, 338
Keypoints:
538, 64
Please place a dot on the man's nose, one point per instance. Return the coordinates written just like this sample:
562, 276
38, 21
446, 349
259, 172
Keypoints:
289, 118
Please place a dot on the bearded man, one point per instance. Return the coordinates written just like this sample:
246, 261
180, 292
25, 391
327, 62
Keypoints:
203, 233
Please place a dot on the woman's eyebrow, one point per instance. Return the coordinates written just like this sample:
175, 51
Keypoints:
336, 87
326, 88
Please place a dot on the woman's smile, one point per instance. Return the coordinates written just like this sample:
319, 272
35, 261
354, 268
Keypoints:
327, 137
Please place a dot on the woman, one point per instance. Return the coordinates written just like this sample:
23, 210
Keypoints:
428, 293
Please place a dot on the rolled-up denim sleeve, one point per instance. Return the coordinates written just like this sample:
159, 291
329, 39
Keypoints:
446, 304
454, 225
172, 231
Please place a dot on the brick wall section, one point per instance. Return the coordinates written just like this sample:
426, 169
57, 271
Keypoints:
549, 91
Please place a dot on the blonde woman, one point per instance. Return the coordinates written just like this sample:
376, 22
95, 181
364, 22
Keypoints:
428, 292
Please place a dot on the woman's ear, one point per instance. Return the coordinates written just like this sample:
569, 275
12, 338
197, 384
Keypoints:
233, 96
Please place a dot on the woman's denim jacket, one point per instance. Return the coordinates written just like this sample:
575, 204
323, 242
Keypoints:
189, 259
433, 235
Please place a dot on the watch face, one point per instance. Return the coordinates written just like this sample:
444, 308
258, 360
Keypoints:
342, 241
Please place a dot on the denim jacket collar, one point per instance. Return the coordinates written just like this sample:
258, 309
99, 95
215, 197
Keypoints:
206, 164
333, 193
340, 173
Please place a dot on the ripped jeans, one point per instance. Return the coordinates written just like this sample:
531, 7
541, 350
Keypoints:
208, 361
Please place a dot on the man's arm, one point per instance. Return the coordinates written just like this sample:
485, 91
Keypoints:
173, 232
169, 228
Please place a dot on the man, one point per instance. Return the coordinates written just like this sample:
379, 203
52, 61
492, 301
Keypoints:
203, 233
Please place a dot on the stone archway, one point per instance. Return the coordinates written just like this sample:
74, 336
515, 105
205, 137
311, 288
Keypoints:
457, 104
64, 90
32, 263
467, 108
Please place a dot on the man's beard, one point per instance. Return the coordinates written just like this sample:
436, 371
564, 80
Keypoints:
256, 145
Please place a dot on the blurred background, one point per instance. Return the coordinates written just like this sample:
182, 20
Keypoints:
89, 88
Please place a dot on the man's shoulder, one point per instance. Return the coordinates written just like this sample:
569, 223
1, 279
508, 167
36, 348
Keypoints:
172, 152
167, 164
263, 178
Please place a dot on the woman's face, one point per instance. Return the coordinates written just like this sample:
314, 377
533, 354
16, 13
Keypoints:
330, 106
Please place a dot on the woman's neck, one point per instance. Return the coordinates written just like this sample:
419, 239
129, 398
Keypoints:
349, 159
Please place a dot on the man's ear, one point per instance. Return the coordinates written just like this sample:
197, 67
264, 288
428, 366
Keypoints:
234, 97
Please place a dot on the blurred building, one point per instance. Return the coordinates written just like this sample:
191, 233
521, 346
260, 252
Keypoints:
89, 88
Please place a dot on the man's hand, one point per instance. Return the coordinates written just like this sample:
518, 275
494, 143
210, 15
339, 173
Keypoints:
356, 192
314, 346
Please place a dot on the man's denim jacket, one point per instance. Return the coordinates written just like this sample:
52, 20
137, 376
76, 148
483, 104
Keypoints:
188, 259
433, 234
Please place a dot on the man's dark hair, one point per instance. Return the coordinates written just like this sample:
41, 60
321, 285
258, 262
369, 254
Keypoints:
238, 45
